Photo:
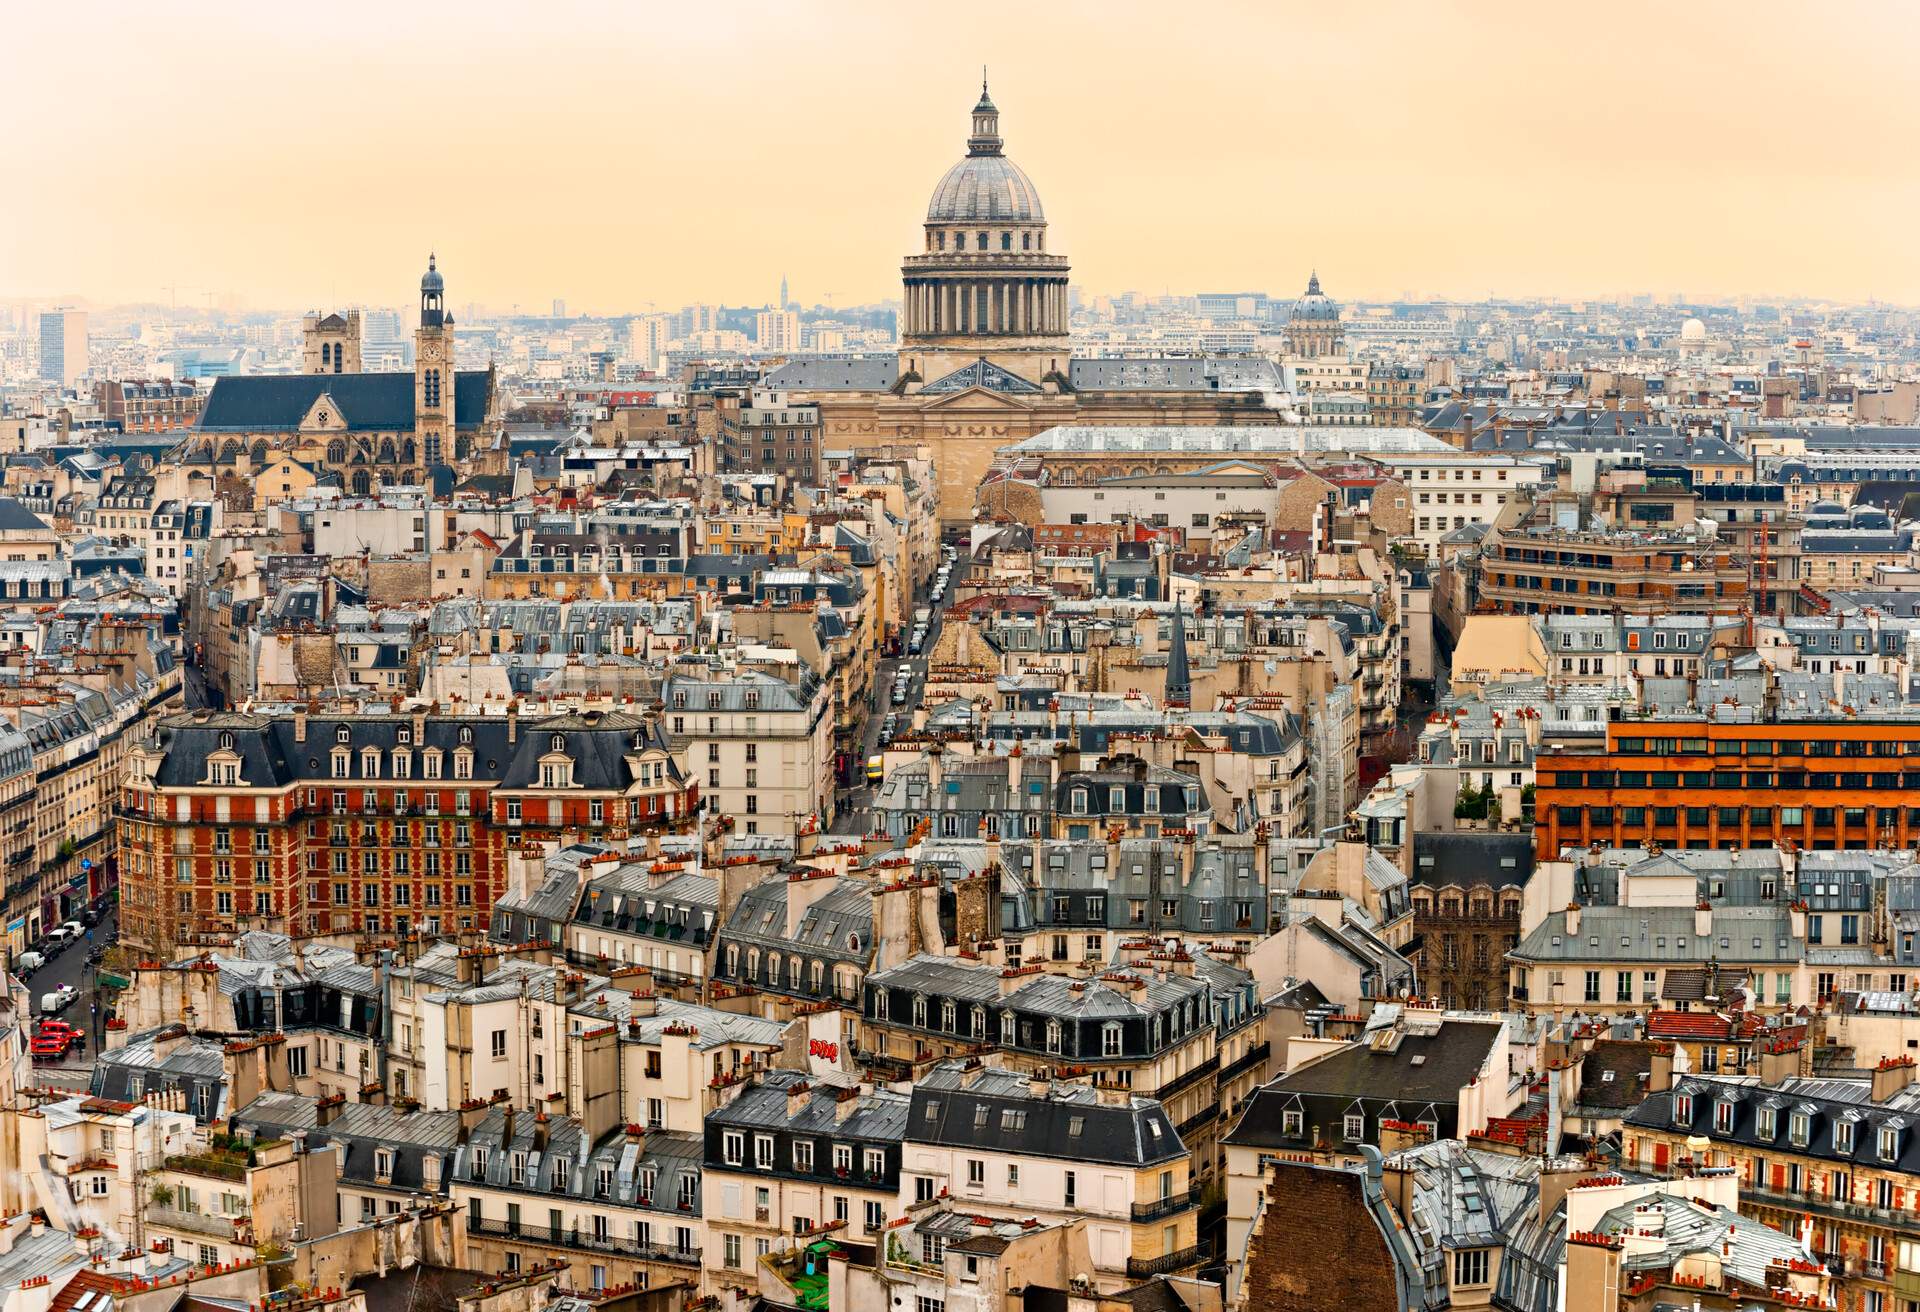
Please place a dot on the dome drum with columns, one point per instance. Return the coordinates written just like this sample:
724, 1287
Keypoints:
984, 286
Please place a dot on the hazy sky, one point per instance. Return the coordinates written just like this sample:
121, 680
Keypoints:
294, 154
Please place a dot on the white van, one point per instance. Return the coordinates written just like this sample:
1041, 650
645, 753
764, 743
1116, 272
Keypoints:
28, 961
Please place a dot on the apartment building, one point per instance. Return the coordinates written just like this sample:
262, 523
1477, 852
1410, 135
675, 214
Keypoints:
375, 823
759, 746
621, 1208
1836, 1162
1452, 491
1004, 1143
1687, 781
787, 1158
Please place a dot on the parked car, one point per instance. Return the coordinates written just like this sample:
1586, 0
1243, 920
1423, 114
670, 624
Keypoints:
58, 1000
75, 929
28, 962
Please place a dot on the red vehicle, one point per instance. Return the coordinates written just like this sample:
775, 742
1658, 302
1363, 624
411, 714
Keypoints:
49, 1047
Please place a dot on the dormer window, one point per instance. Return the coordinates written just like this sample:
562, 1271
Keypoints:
1766, 1124
226, 742
405, 736
1683, 1109
1843, 1136
1053, 1036
1889, 1143
343, 734
466, 733
1799, 1129
1723, 1117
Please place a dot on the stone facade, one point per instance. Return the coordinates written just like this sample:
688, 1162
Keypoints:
1312, 1213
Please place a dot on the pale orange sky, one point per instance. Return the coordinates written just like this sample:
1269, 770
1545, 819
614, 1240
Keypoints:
293, 154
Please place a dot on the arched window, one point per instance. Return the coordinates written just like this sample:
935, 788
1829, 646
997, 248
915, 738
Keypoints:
1026, 241
1110, 1039
939, 241
959, 241
1006, 241
1053, 1036
980, 241
342, 734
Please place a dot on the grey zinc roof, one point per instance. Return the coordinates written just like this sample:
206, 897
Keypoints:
1610, 933
363, 1129
881, 1114
824, 373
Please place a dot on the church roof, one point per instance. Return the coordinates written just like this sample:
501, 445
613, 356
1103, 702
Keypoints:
381, 402
981, 373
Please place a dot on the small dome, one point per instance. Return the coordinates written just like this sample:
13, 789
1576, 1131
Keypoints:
989, 188
1693, 331
431, 281
1316, 304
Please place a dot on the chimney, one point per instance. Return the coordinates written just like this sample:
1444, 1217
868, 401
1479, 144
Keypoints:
1890, 1076
300, 725
1703, 919
846, 1103
1573, 919
970, 1072
799, 1094
1660, 1072
1038, 1084
472, 1112
327, 1110
513, 722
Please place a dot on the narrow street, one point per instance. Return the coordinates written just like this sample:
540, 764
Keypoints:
71, 967
856, 803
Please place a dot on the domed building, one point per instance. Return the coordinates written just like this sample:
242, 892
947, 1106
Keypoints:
985, 360
1314, 329
983, 287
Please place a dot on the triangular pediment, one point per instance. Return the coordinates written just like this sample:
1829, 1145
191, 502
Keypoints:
976, 398
982, 373
323, 416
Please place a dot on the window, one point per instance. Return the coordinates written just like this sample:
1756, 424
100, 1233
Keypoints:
499, 1044
733, 1148
1470, 1267
763, 1151
1354, 1127
803, 1155
976, 1173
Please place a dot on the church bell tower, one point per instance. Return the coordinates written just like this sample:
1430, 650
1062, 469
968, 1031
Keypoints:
433, 371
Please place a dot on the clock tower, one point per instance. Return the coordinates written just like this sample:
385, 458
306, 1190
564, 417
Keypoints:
433, 413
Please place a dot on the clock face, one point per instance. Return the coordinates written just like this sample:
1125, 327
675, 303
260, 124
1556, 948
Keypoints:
433, 353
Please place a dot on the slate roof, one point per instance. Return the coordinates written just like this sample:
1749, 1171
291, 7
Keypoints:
1468, 859
1614, 1074
1421, 1070
1809, 1099
837, 925
1068, 1120
16, 518
671, 1156
381, 402
363, 1128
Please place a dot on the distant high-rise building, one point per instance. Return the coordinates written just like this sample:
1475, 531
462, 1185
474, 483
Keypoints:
786, 302
63, 345
330, 344
777, 330
559, 307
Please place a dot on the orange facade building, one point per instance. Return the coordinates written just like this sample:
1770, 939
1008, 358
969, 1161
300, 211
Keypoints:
1827, 784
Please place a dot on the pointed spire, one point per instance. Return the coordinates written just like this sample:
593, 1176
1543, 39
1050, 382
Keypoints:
1313, 284
1179, 675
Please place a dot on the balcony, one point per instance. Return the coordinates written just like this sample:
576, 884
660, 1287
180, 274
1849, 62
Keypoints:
1254, 1056
220, 1166
211, 1224
571, 1237
1186, 1080
1199, 1120
1180, 1260
1160, 1207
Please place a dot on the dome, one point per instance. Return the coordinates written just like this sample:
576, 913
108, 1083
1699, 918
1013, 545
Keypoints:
1693, 331
1316, 304
985, 188
431, 281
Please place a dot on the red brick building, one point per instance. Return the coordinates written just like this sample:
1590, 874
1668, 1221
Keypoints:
383, 824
